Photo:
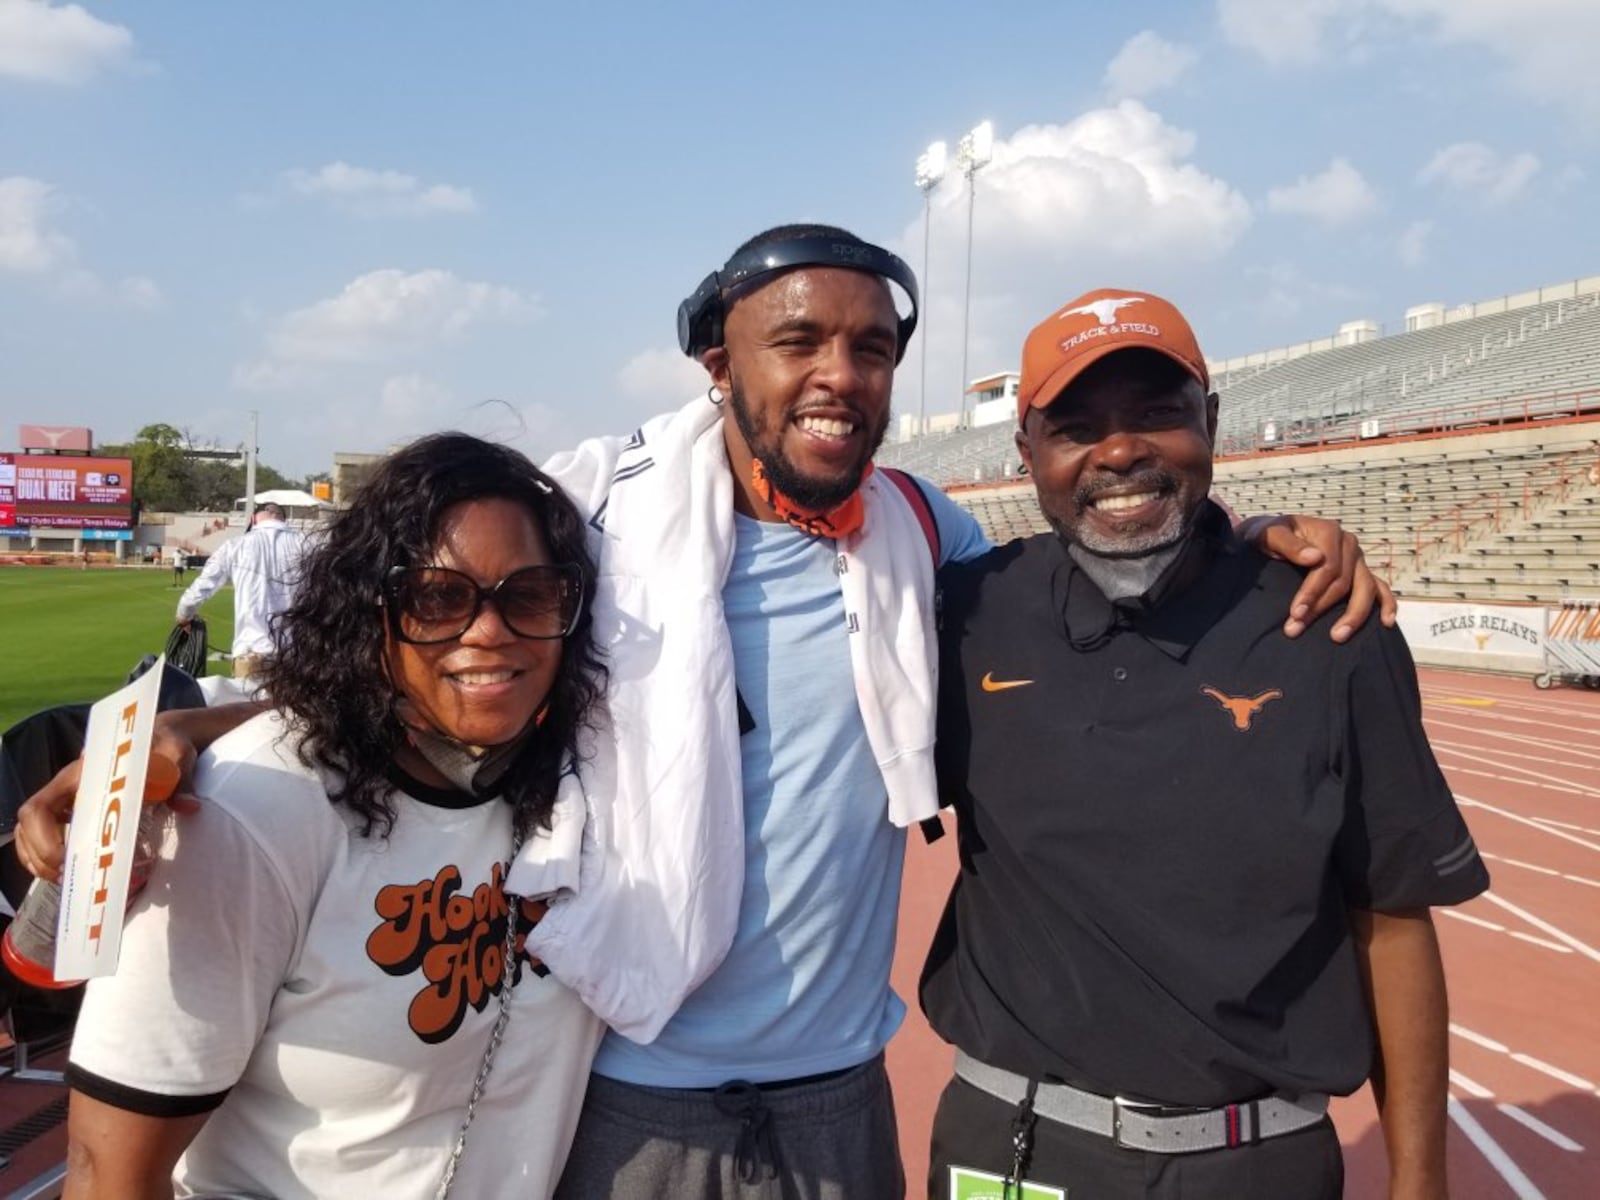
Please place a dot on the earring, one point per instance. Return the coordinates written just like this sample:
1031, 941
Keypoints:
714, 396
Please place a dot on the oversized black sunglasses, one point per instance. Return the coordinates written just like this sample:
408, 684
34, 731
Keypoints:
427, 605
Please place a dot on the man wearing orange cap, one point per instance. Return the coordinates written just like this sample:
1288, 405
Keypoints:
1197, 857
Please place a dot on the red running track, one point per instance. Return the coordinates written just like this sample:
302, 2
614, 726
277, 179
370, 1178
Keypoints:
1523, 961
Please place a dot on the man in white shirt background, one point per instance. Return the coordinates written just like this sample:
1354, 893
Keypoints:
262, 565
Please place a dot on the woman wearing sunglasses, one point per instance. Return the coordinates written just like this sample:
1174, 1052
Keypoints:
323, 991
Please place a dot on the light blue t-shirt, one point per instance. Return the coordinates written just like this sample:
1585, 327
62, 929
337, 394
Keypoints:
805, 987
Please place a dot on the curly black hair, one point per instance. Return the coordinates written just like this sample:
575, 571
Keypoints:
329, 675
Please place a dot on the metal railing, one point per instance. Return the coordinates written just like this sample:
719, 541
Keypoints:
1531, 409
1544, 485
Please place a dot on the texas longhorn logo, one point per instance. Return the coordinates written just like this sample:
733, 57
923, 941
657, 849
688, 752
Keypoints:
1243, 709
1104, 311
458, 940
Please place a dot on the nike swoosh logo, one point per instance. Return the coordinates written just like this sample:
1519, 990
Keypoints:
990, 684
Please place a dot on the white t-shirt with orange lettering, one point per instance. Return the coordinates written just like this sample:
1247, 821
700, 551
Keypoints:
327, 996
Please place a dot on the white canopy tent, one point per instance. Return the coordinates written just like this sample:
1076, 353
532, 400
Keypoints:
301, 508
290, 498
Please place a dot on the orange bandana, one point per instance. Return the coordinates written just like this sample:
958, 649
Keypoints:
838, 522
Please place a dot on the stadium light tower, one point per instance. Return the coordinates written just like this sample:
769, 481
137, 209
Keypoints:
973, 153
931, 165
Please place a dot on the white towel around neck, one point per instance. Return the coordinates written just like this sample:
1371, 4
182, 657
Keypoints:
657, 900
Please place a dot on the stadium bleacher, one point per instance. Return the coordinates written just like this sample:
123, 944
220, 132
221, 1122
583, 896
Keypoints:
1461, 371
1460, 452
1536, 361
983, 455
1504, 515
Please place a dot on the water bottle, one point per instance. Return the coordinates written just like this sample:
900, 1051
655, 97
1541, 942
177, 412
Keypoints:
28, 946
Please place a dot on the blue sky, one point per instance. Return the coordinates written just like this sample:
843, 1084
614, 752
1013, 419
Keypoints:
369, 220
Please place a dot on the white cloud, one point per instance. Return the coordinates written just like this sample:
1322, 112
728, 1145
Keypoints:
1146, 63
366, 192
1413, 244
50, 43
379, 416
653, 381
1547, 46
1569, 177
1336, 196
1111, 198
136, 291
1282, 32
1474, 167
1283, 289
661, 378
1114, 181
30, 245
27, 243
409, 399
269, 375
386, 313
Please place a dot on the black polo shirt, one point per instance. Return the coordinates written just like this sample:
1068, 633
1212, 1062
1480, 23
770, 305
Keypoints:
1165, 812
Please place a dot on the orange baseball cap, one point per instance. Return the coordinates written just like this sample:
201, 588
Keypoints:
1098, 323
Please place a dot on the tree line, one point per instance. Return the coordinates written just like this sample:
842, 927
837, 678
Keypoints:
170, 476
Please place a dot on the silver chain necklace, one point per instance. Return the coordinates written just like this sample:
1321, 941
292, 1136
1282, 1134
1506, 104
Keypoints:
513, 903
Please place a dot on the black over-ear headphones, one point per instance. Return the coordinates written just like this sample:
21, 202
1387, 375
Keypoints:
700, 316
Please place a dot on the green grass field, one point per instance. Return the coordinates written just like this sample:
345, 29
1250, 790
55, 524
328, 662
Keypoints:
69, 635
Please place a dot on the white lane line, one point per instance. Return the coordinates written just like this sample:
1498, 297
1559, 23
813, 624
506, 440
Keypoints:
1526, 1119
1476, 1090
1457, 915
1550, 780
1554, 1136
1527, 1060
1557, 752
1560, 935
1538, 1064
1468, 802
1539, 941
1462, 1031
1541, 724
1567, 825
1521, 1186
1453, 768
1532, 784
1512, 862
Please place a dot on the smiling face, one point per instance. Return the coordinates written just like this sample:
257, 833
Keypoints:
483, 687
1122, 458
807, 365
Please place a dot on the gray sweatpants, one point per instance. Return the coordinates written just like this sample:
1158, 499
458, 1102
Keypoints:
834, 1139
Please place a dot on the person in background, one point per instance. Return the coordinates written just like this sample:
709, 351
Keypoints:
262, 565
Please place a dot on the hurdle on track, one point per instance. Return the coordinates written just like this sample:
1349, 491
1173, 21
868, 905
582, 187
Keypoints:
1572, 645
